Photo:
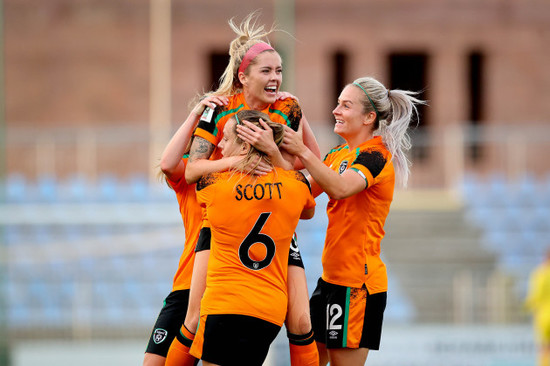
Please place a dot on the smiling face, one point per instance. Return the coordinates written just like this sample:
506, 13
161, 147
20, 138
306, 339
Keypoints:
262, 80
349, 113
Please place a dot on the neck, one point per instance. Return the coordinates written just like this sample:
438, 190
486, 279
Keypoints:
254, 103
354, 141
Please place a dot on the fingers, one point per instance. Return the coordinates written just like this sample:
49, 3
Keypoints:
213, 101
262, 168
264, 125
285, 95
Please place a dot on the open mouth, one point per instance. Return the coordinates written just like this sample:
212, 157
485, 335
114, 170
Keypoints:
339, 122
271, 89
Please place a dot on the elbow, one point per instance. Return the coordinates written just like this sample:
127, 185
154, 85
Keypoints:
190, 176
166, 167
338, 193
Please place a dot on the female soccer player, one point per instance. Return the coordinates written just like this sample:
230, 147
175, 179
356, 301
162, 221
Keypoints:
252, 220
251, 81
348, 304
173, 165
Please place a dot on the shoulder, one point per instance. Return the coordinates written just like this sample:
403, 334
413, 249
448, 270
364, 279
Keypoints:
373, 159
223, 112
290, 109
297, 176
208, 180
335, 150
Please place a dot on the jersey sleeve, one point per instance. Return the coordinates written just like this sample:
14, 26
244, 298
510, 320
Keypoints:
180, 184
294, 114
205, 188
288, 112
209, 125
304, 183
369, 165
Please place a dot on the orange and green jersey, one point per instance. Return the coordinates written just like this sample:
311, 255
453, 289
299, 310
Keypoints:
252, 221
211, 123
351, 256
192, 216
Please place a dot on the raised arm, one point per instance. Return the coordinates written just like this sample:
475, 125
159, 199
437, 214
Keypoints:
170, 162
309, 141
199, 163
337, 186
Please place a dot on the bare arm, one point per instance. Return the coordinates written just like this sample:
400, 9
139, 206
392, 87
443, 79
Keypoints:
337, 186
309, 140
199, 164
170, 162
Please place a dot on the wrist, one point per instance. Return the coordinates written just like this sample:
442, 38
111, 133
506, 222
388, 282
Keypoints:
304, 153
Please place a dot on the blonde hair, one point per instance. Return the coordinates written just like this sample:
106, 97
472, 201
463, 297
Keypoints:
394, 111
249, 32
254, 156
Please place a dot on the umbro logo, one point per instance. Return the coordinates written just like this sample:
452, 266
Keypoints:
333, 334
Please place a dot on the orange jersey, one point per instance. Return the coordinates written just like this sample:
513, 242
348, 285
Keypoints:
351, 256
191, 213
211, 124
252, 221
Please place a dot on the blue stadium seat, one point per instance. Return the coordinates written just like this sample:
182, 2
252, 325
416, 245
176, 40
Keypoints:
108, 190
76, 189
138, 188
17, 189
47, 188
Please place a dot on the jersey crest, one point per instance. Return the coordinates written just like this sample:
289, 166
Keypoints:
343, 166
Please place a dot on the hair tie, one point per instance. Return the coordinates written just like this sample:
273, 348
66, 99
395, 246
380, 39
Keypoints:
370, 100
237, 119
252, 52
389, 93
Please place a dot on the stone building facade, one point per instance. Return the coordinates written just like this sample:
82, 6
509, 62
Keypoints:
75, 69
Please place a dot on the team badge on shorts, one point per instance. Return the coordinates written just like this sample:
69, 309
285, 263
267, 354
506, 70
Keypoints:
159, 335
343, 167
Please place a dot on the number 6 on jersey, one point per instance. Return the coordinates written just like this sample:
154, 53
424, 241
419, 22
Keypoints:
253, 237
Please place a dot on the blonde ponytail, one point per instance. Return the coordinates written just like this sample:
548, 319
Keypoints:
395, 110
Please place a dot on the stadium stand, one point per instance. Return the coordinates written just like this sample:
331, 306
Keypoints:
86, 258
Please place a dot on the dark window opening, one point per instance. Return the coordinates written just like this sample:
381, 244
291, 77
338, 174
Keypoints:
475, 95
408, 71
218, 63
340, 76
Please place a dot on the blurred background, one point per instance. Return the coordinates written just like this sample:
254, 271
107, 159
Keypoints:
91, 91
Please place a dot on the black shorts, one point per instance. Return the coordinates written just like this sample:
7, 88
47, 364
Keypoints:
203, 243
294, 256
169, 322
354, 316
237, 340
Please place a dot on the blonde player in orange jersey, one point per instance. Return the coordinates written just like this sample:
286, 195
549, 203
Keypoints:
251, 80
348, 304
252, 221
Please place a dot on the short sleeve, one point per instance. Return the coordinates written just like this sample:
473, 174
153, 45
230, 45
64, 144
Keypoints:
180, 184
369, 165
205, 189
208, 127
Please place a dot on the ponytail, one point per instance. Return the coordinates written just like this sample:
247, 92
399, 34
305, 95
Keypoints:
394, 111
